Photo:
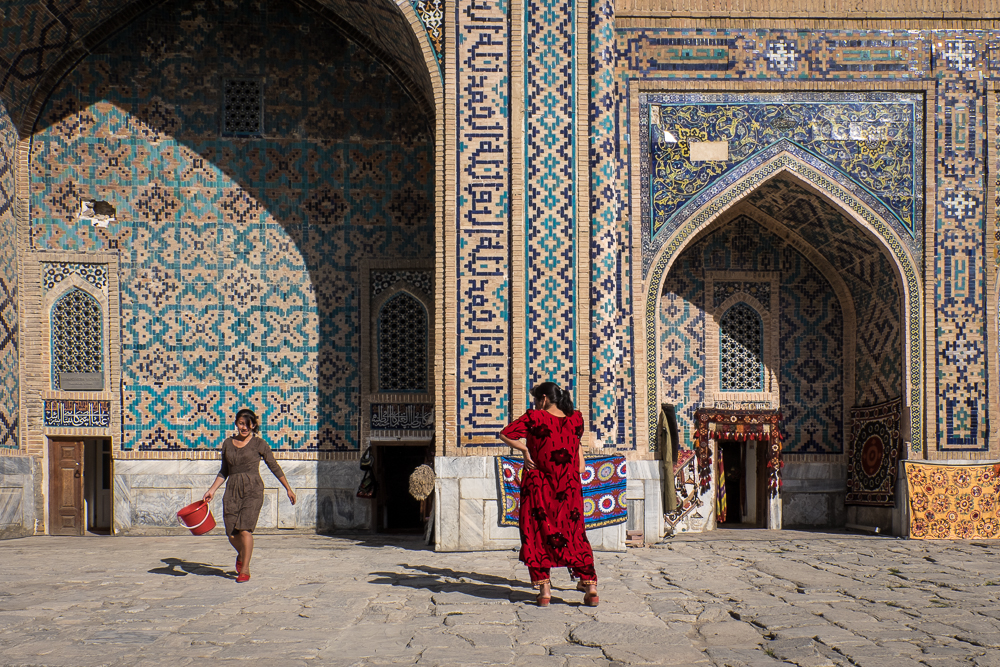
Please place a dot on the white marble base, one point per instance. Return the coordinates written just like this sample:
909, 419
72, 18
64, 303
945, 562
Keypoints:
17, 495
466, 510
147, 495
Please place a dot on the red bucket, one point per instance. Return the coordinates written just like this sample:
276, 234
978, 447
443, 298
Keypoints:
197, 517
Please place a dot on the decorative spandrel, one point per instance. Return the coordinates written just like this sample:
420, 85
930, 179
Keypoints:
741, 350
402, 345
874, 138
76, 337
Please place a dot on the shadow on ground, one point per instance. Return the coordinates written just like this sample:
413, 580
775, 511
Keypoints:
178, 567
441, 580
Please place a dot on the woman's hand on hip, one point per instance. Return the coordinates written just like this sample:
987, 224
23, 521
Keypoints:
529, 463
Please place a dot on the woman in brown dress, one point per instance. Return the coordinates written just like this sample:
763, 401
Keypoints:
241, 455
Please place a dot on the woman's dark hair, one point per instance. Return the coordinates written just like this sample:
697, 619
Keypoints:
559, 397
250, 415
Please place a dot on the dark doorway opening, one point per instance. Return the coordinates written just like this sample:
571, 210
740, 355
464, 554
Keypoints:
97, 485
745, 465
396, 510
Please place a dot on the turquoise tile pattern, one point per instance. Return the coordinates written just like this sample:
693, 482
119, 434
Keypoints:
239, 257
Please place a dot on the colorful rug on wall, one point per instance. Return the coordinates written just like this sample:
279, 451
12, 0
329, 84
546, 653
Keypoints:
953, 501
876, 446
604, 480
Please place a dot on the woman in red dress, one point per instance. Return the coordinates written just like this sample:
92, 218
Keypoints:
551, 520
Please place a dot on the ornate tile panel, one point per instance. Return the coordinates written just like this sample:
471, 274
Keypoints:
959, 69
482, 292
611, 398
550, 192
874, 138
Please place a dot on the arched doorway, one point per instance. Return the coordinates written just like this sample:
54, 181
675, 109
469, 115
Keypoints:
836, 313
257, 161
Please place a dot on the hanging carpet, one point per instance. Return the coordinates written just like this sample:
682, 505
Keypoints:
874, 456
953, 501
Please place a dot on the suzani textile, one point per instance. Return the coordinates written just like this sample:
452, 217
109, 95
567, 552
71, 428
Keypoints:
953, 501
603, 490
875, 451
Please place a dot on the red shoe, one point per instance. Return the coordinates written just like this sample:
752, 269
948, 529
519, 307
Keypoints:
243, 578
239, 565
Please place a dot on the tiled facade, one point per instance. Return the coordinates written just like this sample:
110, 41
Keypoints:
239, 256
538, 155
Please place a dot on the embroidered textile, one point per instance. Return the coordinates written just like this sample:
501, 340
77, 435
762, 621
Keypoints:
953, 501
603, 490
875, 451
718, 424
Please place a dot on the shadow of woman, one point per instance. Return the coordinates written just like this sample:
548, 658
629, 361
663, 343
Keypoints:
443, 581
177, 567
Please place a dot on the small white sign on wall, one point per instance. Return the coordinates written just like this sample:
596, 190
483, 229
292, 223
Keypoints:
709, 151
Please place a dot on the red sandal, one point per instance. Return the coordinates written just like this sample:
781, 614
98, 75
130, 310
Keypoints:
239, 565
589, 599
243, 578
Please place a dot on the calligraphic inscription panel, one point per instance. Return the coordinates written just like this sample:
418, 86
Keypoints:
77, 414
402, 416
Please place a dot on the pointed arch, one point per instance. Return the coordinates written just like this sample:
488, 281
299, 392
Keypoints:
868, 214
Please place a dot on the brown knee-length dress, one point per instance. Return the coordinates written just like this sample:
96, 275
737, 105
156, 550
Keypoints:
244, 488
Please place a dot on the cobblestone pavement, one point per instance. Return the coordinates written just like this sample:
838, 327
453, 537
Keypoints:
727, 598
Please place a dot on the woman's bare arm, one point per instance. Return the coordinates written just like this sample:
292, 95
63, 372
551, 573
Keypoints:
521, 447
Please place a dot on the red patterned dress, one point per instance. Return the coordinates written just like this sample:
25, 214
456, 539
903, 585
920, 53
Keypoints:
551, 520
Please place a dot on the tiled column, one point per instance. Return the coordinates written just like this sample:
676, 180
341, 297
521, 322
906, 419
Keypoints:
550, 193
482, 219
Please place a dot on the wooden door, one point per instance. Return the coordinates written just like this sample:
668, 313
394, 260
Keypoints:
65, 487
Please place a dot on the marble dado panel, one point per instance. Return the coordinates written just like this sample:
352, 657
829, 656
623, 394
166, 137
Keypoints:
147, 495
18, 479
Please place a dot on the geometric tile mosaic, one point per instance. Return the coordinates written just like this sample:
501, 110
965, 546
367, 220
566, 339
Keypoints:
54, 273
9, 362
239, 256
611, 398
550, 192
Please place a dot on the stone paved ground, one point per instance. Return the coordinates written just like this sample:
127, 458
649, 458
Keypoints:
728, 598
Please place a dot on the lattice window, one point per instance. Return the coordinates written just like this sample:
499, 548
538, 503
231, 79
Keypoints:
402, 345
243, 107
741, 350
77, 346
